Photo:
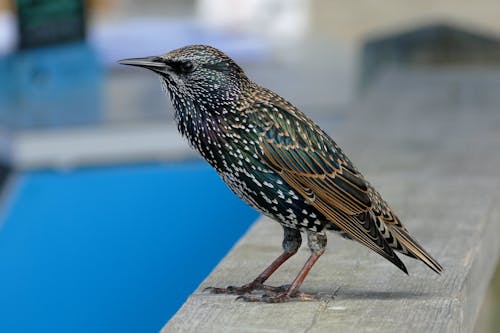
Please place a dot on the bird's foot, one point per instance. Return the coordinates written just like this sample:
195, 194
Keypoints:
247, 288
281, 297
232, 290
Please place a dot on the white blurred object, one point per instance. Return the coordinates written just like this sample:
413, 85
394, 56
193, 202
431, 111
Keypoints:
282, 20
8, 32
155, 35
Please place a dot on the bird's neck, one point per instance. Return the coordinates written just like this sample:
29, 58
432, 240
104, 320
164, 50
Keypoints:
208, 128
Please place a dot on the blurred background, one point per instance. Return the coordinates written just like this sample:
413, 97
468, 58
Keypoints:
104, 226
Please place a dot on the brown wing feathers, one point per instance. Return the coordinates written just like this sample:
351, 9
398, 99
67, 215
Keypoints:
365, 232
310, 162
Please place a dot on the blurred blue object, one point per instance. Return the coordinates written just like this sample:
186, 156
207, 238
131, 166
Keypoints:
114, 249
50, 87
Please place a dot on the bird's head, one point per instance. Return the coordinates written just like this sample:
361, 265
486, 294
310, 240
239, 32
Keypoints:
195, 74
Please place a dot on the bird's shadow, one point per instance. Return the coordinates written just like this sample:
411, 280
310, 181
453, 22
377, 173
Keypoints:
348, 293
360, 294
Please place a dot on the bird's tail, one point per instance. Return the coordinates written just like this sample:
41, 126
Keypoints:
411, 248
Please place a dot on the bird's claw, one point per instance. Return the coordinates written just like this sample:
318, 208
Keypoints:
280, 297
232, 290
268, 294
276, 290
247, 288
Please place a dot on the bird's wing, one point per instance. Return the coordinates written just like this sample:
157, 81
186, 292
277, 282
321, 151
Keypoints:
311, 162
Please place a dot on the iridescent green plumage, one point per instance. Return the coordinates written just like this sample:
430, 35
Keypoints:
277, 160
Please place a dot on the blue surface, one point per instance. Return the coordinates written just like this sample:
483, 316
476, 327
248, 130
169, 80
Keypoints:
113, 249
50, 86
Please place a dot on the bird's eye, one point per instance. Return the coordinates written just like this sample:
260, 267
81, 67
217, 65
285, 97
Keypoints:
186, 67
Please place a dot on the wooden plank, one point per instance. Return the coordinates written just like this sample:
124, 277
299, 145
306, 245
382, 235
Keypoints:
429, 142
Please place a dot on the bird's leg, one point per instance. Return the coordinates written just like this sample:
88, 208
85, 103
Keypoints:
291, 243
317, 244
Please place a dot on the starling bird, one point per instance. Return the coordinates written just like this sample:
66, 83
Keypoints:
279, 162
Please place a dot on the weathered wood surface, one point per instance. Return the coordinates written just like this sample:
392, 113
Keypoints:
430, 142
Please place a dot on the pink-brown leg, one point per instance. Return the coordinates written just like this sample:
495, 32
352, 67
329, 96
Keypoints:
317, 243
258, 283
291, 243
292, 293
